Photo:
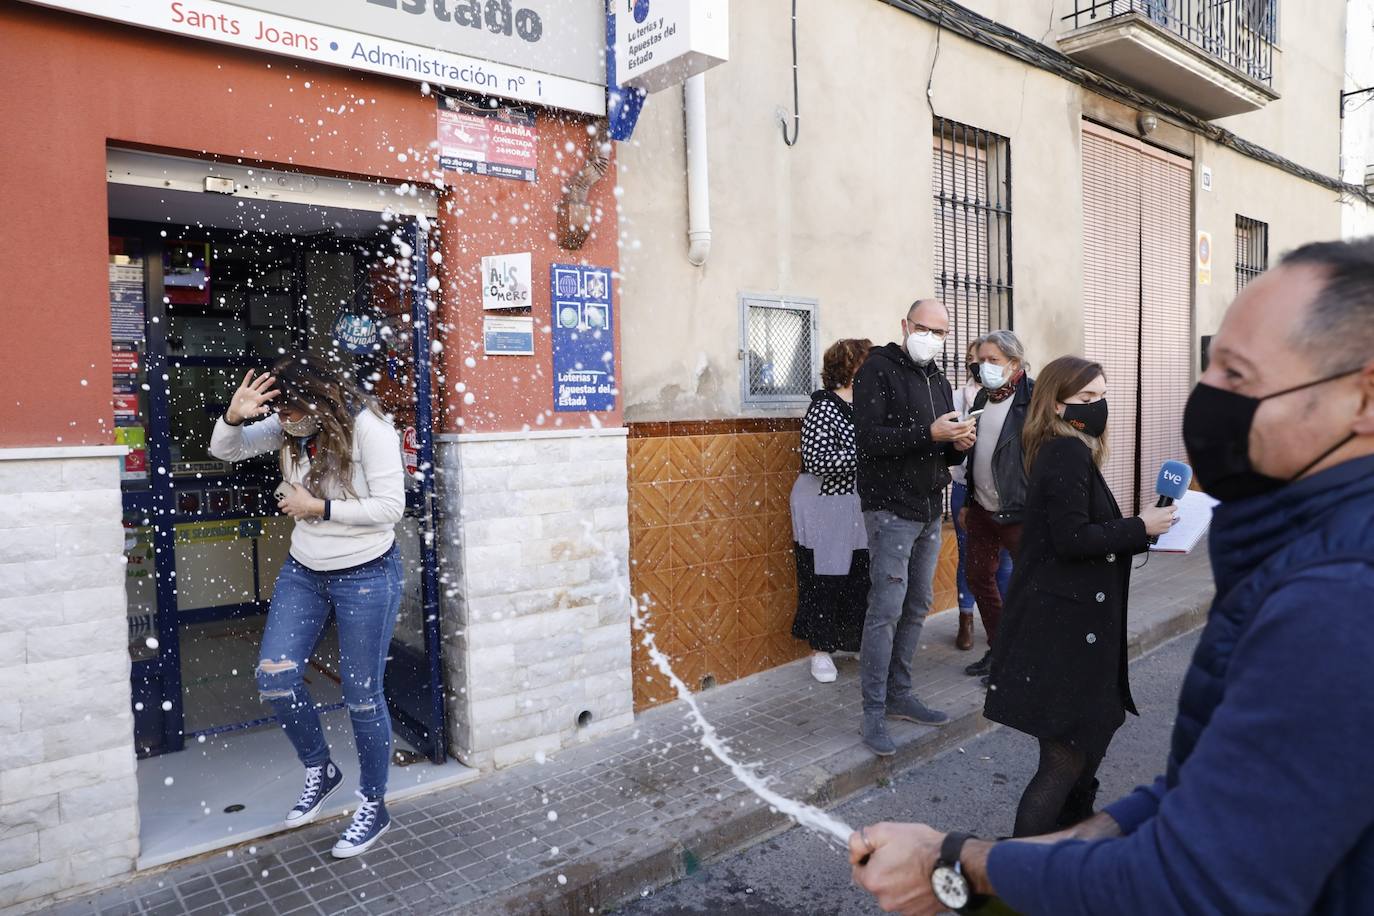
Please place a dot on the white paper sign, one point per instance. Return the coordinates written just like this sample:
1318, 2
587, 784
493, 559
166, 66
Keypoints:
507, 336
506, 281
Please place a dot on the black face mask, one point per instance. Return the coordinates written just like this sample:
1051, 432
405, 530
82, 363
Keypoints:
1089, 419
974, 371
1216, 433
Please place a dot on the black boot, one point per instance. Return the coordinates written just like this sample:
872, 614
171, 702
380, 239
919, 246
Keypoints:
981, 667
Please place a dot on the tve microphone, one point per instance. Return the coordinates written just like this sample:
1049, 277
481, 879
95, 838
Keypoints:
1174, 477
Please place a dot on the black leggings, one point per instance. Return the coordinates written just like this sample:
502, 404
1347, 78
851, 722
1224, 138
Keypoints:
1062, 791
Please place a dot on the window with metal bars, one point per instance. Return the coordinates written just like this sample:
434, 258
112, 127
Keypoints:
1252, 250
971, 180
779, 356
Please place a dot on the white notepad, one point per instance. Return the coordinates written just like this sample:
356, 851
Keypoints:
1194, 518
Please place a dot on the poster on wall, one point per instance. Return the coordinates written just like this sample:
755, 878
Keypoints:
583, 338
500, 142
507, 281
126, 291
507, 336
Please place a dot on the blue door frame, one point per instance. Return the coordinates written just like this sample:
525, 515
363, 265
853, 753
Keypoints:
414, 681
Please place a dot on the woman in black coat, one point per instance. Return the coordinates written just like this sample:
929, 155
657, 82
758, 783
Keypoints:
1059, 664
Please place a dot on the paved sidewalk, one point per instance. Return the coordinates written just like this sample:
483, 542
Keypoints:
597, 825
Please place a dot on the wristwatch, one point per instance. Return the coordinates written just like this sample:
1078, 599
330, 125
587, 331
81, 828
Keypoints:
947, 881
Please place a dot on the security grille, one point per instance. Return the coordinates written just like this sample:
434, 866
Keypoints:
779, 354
1252, 250
971, 180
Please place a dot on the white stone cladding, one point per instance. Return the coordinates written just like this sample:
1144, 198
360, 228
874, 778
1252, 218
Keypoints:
535, 548
68, 792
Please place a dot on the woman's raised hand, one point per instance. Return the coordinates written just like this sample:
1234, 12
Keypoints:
250, 400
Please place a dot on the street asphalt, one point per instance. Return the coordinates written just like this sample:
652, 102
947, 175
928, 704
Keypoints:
974, 788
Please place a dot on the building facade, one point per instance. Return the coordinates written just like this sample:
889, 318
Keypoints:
1357, 117
236, 180
1099, 176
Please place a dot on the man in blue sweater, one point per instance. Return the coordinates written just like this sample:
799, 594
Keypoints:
1267, 806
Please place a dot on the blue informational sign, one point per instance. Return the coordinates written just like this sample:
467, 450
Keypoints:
583, 338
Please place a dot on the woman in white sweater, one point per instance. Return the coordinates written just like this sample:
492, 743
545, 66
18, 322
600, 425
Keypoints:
344, 485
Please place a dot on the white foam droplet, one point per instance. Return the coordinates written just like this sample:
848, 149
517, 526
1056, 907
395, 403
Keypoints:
1092, 638
168, 781
553, 815
151, 642
166, 705
562, 879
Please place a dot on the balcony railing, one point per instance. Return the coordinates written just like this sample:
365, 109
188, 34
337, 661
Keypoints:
1239, 33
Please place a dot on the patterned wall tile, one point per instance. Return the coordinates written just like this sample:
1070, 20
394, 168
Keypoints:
718, 456
702, 586
700, 543
651, 461
684, 453
750, 493
750, 454
652, 548
782, 453
711, 540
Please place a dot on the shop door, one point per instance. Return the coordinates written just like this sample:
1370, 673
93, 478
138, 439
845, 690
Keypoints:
1137, 301
204, 538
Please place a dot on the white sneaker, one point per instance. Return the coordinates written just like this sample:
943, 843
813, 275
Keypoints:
823, 668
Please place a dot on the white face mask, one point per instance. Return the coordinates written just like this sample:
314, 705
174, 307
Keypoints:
305, 426
922, 348
992, 376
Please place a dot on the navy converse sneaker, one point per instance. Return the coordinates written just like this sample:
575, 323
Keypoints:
369, 823
320, 783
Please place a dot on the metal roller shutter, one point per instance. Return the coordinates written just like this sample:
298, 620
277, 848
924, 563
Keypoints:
1137, 300
1111, 291
1166, 329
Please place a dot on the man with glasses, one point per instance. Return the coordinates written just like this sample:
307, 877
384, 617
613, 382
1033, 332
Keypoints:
908, 435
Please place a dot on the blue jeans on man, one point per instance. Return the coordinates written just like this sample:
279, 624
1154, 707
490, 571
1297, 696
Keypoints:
365, 600
903, 554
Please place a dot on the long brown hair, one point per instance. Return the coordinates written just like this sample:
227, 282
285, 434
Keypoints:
1060, 380
318, 389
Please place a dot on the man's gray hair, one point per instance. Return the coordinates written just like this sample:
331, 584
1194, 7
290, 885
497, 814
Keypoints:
1009, 344
1339, 327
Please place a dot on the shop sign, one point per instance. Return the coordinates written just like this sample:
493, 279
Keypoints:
507, 280
547, 52
583, 338
356, 333
500, 142
507, 336
661, 43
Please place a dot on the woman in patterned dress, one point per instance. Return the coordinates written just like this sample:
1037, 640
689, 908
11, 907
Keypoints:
827, 523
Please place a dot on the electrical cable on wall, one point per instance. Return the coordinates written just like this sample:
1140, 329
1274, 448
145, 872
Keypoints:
796, 94
934, 60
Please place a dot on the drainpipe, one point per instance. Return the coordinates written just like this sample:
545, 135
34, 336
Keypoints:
698, 183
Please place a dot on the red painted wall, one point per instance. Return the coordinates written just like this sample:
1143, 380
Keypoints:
73, 85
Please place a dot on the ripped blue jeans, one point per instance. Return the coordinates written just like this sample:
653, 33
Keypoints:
365, 600
902, 556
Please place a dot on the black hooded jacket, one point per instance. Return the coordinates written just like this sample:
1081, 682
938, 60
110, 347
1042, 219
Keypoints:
901, 469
